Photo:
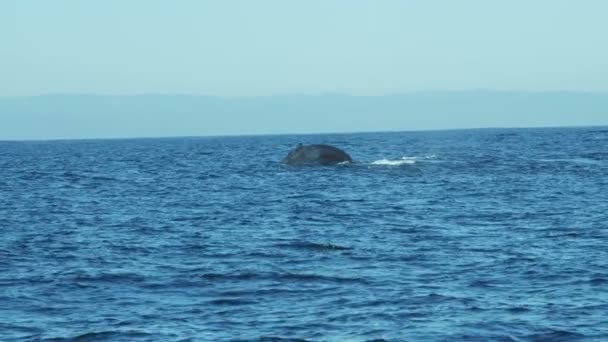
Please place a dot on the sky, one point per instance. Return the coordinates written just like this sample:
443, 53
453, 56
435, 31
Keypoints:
274, 47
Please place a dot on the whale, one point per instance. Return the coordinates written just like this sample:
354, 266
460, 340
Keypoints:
316, 154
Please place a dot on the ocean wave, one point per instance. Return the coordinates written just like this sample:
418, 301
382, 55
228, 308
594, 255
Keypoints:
274, 276
230, 302
556, 335
104, 336
108, 277
596, 159
280, 339
313, 246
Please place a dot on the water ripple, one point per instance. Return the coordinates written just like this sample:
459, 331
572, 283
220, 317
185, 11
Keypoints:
491, 235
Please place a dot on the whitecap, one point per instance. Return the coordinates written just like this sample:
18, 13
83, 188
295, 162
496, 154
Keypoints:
397, 162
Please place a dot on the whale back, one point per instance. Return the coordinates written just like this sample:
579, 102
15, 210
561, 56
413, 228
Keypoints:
316, 154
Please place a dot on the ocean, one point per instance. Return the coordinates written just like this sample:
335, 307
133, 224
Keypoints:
463, 235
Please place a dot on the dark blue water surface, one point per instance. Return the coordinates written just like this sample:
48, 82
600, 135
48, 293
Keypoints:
472, 235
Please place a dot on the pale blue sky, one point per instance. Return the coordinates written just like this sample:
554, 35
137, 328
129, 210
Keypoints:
269, 47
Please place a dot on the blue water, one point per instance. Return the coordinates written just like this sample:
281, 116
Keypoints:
471, 235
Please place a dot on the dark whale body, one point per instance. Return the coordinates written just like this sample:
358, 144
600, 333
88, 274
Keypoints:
316, 154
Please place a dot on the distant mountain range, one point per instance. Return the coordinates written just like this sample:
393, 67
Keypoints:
100, 116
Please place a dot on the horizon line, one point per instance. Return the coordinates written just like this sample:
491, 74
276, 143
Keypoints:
236, 135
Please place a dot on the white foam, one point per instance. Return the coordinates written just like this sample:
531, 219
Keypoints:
397, 162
